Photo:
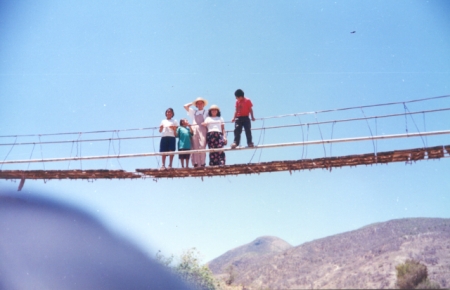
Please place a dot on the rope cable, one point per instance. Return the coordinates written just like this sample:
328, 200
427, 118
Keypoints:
376, 133
406, 118
42, 155
425, 129
79, 150
279, 116
370, 130
307, 139
76, 133
260, 151
31, 155
321, 137
15, 140
114, 148
254, 129
303, 135
331, 144
357, 107
353, 119
71, 149
415, 125
154, 150
109, 148
307, 143
118, 160
256, 149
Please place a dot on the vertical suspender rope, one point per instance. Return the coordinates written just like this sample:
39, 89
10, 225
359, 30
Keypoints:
370, 130
376, 141
307, 139
321, 137
303, 135
118, 153
251, 158
154, 149
42, 155
415, 125
79, 149
264, 135
109, 148
406, 119
71, 149
31, 155
425, 129
331, 144
6, 157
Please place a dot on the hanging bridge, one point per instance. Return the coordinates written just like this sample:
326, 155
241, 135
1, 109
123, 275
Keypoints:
432, 132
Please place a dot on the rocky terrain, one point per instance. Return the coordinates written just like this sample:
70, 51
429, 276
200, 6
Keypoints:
364, 258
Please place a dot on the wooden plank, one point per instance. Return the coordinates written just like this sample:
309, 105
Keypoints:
253, 168
435, 152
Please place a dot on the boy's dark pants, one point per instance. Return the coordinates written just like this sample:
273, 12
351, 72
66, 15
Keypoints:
242, 122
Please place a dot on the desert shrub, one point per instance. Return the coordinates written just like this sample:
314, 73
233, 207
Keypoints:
166, 261
190, 270
427, 284
410, 274
231, 275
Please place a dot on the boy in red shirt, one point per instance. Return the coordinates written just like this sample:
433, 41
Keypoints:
244, 108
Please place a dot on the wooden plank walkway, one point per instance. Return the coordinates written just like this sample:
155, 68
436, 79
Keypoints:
407, 156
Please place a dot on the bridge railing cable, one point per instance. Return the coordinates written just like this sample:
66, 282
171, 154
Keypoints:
265, 118
317, 123
279, 145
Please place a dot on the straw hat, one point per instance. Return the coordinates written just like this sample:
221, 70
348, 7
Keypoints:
194, 103
214, 107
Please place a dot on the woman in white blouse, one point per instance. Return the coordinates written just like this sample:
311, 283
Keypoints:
216, 136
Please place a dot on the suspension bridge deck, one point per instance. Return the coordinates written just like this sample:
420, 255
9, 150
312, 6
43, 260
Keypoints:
407, 156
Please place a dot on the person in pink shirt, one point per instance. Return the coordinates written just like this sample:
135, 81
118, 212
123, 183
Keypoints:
244, 109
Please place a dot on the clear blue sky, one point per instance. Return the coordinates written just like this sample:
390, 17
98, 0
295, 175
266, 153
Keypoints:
78, 66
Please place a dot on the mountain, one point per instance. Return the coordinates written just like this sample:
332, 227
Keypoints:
243, 255
363, 258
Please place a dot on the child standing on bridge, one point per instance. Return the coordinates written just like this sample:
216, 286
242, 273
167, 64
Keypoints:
244, 108
184, 134
167, 129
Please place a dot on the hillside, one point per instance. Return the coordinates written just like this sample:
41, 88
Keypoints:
243, 255
364, 258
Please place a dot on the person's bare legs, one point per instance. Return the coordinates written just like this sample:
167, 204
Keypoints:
163, 159
170, 160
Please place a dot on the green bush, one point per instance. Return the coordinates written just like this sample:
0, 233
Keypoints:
413, 274
190, 270
231, 275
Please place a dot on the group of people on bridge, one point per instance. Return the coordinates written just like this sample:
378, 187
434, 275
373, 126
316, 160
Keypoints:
206, 127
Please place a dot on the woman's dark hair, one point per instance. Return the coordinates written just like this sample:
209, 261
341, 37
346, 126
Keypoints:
170, 109
239, 93
218, 112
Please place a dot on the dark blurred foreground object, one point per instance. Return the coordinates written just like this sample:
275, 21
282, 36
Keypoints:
46, 245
